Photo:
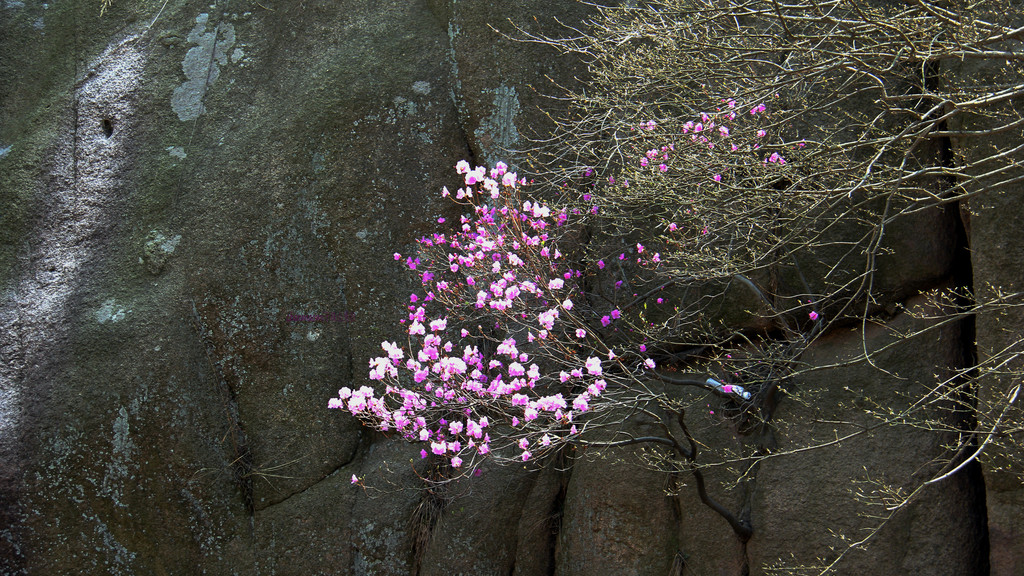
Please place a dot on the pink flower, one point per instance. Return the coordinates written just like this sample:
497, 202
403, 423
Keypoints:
649, 363
580, 332
813, 315
355, 479
534, 372
663, 167
717, 177
600, 264
547, 318
672, 227
551, 403
526, 455
580, 404
605, 321
456, 461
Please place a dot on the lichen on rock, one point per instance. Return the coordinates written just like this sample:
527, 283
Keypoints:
157, 249
202, 66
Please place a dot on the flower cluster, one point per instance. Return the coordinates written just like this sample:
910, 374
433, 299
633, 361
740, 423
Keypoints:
500, 336
505, 354
713, 130
717, 186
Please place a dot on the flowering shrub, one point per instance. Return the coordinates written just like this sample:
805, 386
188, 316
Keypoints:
511, 349
504, 355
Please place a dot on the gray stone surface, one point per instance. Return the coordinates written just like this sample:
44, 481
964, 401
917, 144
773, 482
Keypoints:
178, 179
806, 498
617, 518
996, 251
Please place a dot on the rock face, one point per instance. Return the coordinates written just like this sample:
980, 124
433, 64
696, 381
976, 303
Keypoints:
197, 204
944, 534
995, 254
